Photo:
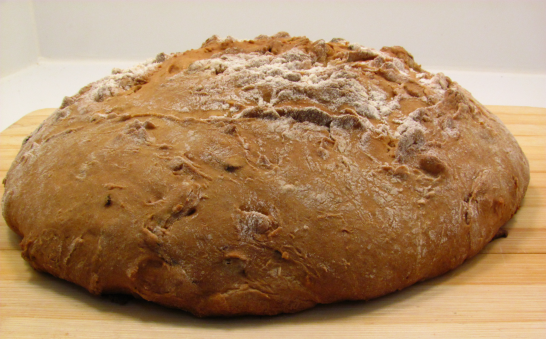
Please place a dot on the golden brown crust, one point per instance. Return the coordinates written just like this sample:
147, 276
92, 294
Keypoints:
262, 177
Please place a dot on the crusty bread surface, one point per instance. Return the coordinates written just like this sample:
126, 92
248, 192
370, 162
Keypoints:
263, 176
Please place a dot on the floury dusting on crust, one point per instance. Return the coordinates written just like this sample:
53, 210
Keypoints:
120, 80
271, 80
266, 80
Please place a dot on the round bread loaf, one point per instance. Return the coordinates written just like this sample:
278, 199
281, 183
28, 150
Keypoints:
263, 176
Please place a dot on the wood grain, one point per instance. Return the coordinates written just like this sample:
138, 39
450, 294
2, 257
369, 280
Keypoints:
501, 293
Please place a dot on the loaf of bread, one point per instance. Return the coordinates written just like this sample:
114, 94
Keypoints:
263, 176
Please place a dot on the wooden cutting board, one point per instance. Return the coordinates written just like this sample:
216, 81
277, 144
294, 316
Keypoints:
501, 293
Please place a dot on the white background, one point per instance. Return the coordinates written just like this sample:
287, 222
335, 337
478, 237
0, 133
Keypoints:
49, 49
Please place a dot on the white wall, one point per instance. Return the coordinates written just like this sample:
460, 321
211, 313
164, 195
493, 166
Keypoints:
500, 36
18, 37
